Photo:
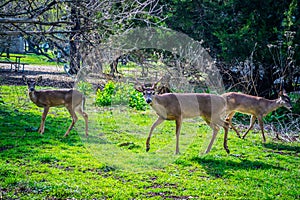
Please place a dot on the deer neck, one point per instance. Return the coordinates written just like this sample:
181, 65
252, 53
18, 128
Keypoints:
33, 96
159, 108
154, 102
273, 105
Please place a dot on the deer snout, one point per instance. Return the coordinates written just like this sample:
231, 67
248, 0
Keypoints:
31, 89
148, 100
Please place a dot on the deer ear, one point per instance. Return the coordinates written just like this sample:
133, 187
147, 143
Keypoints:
138, 88
39, 79
282, 93
25, 79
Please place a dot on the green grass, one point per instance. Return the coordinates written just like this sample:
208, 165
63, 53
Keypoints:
112, 163
33, 59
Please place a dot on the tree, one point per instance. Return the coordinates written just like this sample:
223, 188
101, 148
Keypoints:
238, 34
79, 24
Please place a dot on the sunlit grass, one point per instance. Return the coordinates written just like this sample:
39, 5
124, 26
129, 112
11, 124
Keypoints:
33, 59
112, 162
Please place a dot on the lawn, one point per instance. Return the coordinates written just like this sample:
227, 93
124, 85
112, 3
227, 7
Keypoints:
33, 59
112, 163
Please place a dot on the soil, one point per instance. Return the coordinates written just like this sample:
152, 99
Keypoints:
53, 76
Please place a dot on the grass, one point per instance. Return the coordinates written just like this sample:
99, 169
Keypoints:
112, 163
33, 59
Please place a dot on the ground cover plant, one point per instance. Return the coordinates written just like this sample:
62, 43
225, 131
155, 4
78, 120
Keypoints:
53, 167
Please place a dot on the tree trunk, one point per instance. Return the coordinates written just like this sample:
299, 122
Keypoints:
75, 57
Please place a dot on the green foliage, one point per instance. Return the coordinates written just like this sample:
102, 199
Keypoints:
281, 113
295, 99
240, 31
85, 87
120, 94
104, 97
234, 26
137, 101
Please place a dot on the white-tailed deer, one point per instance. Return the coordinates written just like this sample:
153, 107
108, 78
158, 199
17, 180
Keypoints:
177, 106
255, 106
72, 99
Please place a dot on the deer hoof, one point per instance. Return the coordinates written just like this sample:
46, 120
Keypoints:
147, 149
227, 150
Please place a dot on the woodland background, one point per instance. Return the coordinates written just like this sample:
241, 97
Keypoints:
254, 43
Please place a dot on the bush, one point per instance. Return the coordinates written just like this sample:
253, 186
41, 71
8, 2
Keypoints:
85, 87
120, 94
104, 97
137, 101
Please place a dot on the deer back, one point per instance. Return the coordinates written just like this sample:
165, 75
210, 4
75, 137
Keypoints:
249, 104
53, 98
188, 105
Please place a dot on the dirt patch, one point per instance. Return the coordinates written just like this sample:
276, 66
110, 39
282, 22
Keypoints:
53, 76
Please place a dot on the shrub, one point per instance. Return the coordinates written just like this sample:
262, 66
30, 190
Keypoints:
120, 94
136, 100
85, 87
104, 97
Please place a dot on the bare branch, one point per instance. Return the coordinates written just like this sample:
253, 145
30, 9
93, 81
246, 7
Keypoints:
31, 21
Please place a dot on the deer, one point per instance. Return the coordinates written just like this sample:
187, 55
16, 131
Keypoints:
72, 99
257, 107
178, 106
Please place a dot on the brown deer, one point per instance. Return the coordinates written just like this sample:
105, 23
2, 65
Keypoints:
257, 107
177, 106
72, 99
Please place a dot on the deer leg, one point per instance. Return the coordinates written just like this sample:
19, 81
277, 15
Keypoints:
156, 123
215, 131
261, 124
252, 121
225, 125
229, 120
178, 127
74, 119
42, 126
225, 139
85, 116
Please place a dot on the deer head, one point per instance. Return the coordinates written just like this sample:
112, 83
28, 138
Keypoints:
284, 100
148, 90
31, 83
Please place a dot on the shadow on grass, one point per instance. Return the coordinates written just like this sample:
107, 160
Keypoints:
282, 147
15, 79
218, 168
19, 137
